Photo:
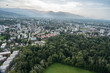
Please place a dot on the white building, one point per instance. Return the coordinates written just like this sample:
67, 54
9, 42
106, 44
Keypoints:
3, 45
41, 43
2, 58
102, 31
5, 66
2, 28
19, 36
33, 39
19, 26
5, 53
25, 36
108, 34
76, 29
12, 38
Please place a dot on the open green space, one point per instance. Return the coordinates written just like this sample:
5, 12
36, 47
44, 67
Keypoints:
60, 68
1, 37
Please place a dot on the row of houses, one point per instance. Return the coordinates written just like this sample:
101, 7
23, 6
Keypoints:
2, 59
47, 35
5, 66
5, 53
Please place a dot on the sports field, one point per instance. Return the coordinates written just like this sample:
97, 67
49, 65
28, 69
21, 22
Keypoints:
60, 68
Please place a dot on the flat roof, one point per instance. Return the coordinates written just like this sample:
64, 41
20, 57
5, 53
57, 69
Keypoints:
2, 58
2, 53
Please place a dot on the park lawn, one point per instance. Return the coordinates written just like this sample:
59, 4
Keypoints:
60, 68
1, 37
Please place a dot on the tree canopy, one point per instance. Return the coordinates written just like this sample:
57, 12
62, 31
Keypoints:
76, 50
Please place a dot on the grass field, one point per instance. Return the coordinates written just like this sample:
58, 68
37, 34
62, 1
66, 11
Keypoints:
60, 68
1, 37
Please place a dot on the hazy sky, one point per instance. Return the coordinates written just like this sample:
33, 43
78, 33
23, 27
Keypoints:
88, 8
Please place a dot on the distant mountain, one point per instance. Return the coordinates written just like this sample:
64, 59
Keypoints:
25, 12
8, 14
63, 14
35, 13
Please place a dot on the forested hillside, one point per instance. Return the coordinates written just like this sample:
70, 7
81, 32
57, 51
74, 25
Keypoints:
87, 53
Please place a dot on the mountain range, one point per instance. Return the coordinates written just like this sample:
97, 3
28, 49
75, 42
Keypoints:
7, 12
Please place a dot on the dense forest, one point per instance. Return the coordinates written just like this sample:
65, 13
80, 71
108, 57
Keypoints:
75, 50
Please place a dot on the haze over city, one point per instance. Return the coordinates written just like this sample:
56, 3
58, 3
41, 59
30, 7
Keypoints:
97, 9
